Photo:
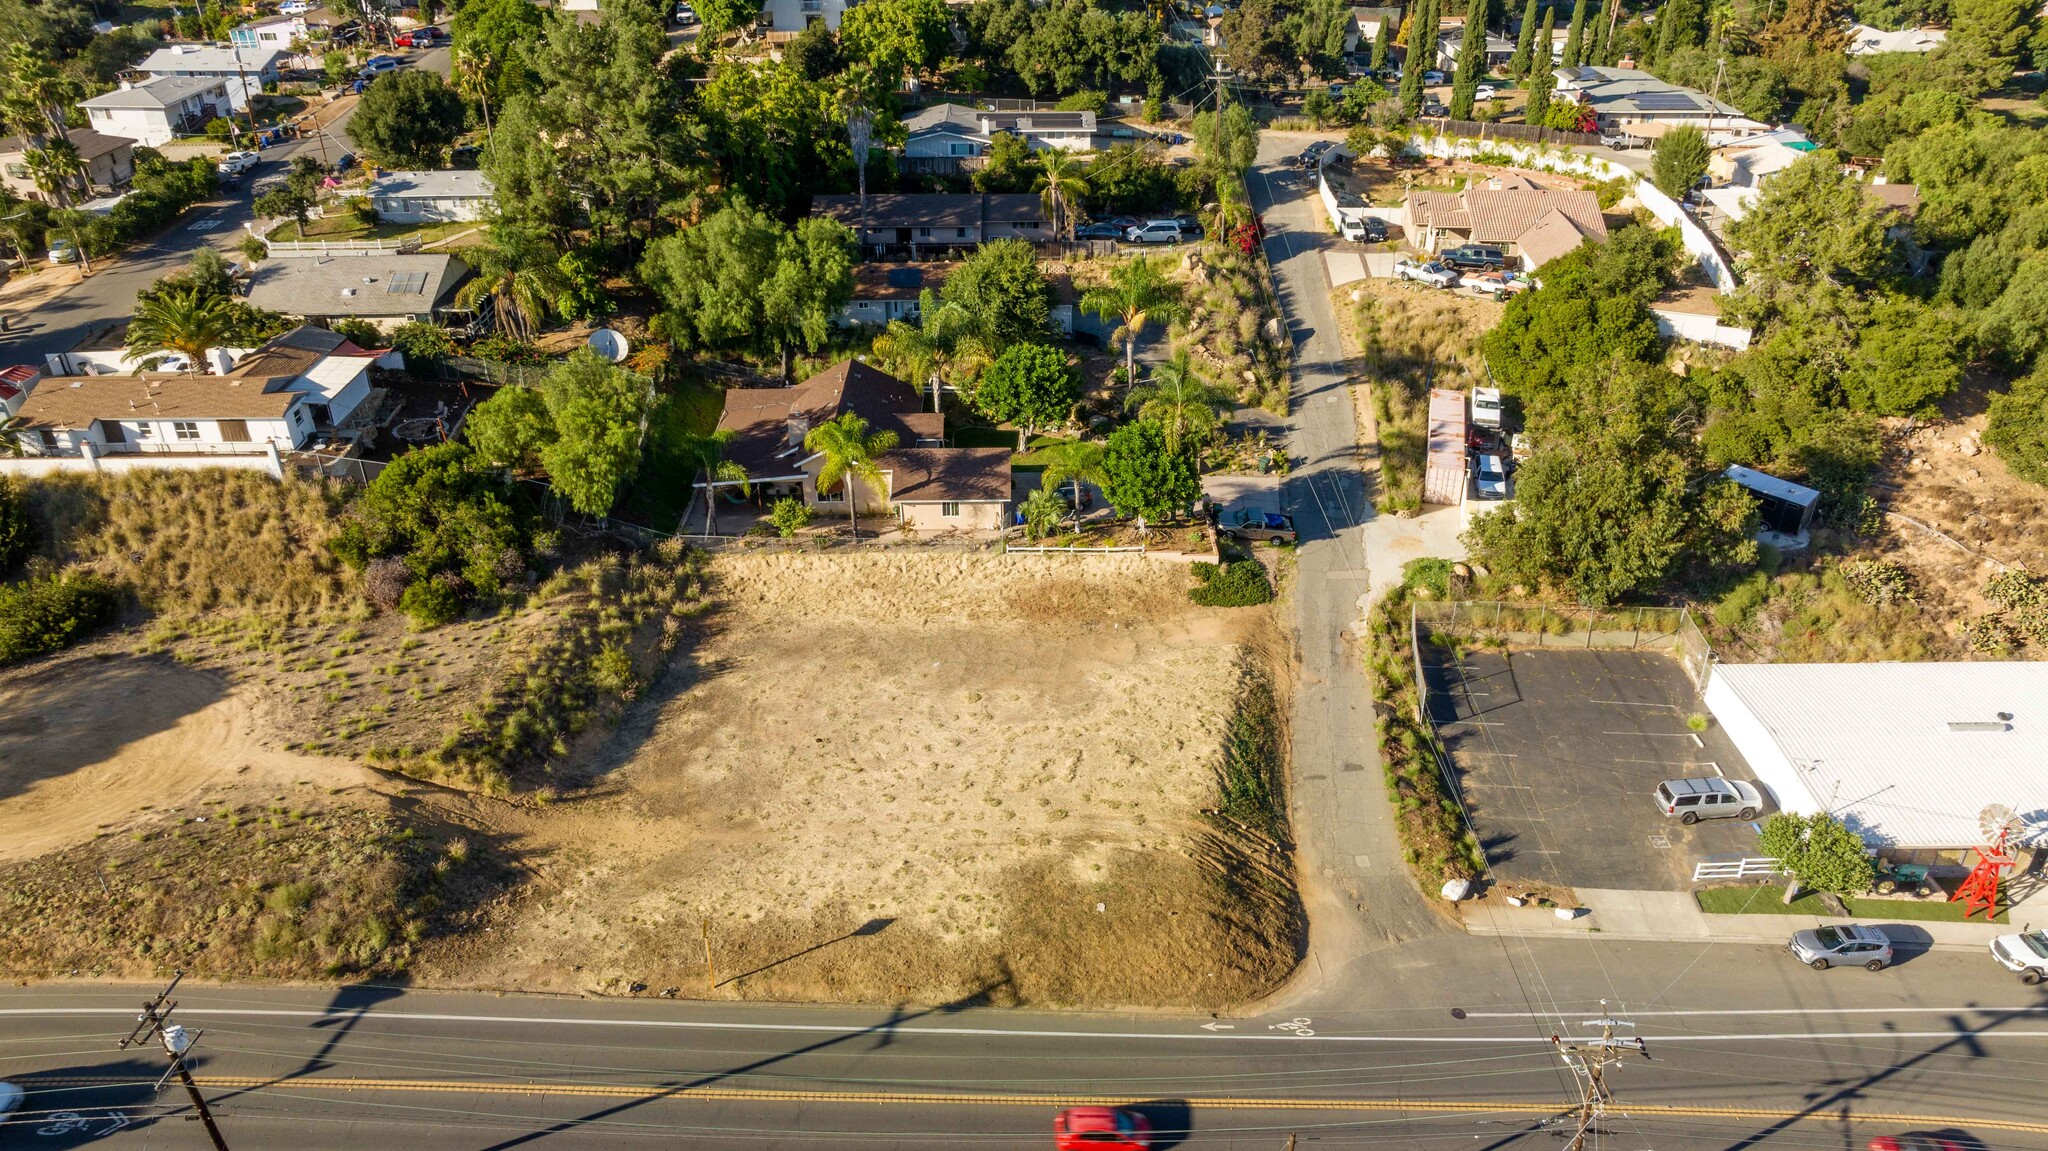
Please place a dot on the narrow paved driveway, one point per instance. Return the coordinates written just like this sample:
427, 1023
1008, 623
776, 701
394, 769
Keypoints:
1355, 883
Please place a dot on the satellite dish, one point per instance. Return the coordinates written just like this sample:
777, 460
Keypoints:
1996, 823
610, 344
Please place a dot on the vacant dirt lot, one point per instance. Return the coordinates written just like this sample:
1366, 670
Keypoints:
913, 778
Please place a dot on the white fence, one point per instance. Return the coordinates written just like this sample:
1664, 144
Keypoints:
345, 247
38, 466
1697, 242
1011, 550
1673, 325
1744, 868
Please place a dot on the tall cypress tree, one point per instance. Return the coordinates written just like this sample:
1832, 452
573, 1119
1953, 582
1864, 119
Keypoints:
1420, 33
1540, 79
1382, 42
1519, 66
1471, 60
1602, 32
1575, 40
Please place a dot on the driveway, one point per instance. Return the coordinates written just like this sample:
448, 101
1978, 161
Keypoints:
1355, 883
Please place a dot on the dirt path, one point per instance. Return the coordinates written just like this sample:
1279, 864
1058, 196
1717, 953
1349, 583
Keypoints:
88, 743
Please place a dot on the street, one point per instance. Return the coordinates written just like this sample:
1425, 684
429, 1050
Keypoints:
108, 295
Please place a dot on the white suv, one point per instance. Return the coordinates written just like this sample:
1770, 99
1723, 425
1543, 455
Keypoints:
2024, 953
1155, 232
1709, 797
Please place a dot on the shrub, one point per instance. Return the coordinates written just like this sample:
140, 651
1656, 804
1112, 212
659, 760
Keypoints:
1820, 853
385, 580
43, 615
430, 603
790, 516
612, 671
1240, 584
2017, 428
18, 536
423, 344
1879, 583
1096, 102
360, 332
1428, 572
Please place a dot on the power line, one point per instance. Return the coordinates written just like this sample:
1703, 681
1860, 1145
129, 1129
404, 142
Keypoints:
1588, 1061
155, 1022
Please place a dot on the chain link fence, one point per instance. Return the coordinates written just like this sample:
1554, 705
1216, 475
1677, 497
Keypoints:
1670, 629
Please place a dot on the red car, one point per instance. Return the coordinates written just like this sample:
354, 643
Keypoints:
1086, 1128
1913, 1141
418, 38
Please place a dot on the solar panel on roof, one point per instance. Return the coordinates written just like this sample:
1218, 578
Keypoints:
1667, 102
906, 277
407, 283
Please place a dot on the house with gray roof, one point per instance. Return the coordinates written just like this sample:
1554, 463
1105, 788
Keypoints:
243, 69
109, 163
1623, 97
958, 131
431, 197
387, 289
928, 223
155, 112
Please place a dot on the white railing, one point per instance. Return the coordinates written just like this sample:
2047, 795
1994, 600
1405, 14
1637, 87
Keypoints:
1075, 550
1742, 868
323, 247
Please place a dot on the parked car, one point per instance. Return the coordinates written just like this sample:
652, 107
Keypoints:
1259, 527
1365, 229
1190, 227
1087, 1128
1471, 257
1126, 223
1617, 140
1432, 76
1485, 92
1486, 409
1155, 232
237, 163
685, 14
2024, 953
1709, 797
10, 1098
1336, 91
1491, 477
1312, 155
378, 65
63, 252
1099, 232
1432, 273
1849, 945
1434, 108
294, 8
1498, 284
424, 36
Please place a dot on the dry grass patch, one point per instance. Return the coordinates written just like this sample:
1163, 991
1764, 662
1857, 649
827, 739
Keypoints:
1411, 339
915, 777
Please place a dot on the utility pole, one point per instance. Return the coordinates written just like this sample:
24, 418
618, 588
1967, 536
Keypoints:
1588, 1061
155, 1023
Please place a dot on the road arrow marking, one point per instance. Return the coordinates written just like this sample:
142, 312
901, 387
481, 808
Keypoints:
1219, 1026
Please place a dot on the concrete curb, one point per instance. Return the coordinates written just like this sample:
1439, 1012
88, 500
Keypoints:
1793, 923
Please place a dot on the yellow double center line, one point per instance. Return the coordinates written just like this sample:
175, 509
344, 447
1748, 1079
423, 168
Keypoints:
1207, 1103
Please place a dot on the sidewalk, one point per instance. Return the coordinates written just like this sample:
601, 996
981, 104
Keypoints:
1673, 916
27, 293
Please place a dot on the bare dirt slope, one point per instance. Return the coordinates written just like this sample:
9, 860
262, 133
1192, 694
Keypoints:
913, 778
97, 740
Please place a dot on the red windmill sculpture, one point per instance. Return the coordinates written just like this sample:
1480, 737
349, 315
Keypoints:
1997, 824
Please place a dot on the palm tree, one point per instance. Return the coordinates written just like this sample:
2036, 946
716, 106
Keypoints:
850, 451
473, 73
36, 93
520, 278
918, 352
1042, 509
1138, 293
1179, 400
183, 320
1060, 178
1075, 462
53, 167
10, 436
708, 453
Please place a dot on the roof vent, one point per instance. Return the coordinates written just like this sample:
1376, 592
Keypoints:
348, 291
1998, 724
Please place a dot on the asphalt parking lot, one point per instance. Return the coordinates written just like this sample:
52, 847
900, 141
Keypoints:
1558, 752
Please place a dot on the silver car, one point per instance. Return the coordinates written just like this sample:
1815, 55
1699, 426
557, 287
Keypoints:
1708, 797
1823, 947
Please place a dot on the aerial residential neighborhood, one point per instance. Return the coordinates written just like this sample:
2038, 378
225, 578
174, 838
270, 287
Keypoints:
1024, 573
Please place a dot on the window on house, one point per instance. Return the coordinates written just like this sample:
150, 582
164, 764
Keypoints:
959, 233
185, 429
950, 511
113, 433
18, 171
924, 233
145, 431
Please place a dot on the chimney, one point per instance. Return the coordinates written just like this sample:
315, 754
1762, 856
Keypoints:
799, 427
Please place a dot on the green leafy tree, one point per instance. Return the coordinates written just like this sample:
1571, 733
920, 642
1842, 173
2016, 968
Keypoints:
1138, 293
500, 31
599, 411
1541, 80
740, 280
337, 67
721, 16
1061, 179
1907, 358
2017, 428
1230, 144
407, 119
1603, 33
1073, 463
1813, 232
919, 351
1617, 498
1819, 852
1575, 39
1681, 24
814, 53
1144, 476
1985, 42
1320, 29
811, 281
1681, 160
1029, 385
296, 195
896, 37
1525, 44
186, 321
360, 332
1471, 60
57, 170
1005, 296
509, 429
1593, 308
850, 452
443, 512
1420, 55
423, 345
1258, 41
1008, 165
1382, 45
1179, 400
2015, 325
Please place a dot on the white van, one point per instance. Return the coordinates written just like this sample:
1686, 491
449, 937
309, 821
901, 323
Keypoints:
1486, 407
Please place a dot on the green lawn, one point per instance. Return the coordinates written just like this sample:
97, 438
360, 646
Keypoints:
662, 489
1769, 899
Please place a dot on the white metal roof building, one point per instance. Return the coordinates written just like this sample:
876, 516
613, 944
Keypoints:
1905, 754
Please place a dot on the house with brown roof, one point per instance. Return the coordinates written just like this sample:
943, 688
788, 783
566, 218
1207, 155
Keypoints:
1533, 225
927, 485
931, 222
161, 414
109, 164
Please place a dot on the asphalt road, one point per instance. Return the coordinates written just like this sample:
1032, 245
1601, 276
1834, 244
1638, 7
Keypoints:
372, 1067
108, 295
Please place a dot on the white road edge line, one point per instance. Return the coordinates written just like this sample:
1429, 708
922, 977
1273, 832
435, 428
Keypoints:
193, 1011
1772, 1011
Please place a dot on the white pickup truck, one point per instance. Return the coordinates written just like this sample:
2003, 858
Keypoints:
2024, 953
1434, 274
